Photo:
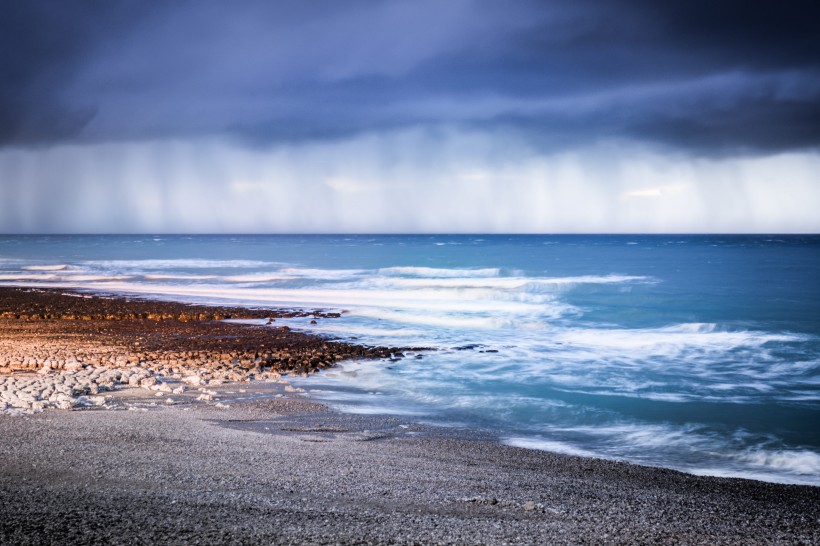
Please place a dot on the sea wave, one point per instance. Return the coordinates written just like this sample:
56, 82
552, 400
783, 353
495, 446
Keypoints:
59, 267
27, 277
255, 278
389, 301
178, 277
322, 274
62, 280
440, 272
180, 263
548, 445
528, 284
689, 448
802, 461
668, 340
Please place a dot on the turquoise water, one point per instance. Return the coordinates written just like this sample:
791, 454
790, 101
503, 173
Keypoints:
699, 353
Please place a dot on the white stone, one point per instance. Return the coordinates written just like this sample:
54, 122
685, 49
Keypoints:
193, 380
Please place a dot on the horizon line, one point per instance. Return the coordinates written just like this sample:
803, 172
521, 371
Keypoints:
416, 234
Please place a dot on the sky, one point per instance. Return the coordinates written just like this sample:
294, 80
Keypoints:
527, 116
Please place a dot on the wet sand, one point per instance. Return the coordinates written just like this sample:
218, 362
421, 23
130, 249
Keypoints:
247, 467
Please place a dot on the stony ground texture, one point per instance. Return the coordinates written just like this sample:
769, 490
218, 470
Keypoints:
110, 331
286, 471
80, 347
49, 304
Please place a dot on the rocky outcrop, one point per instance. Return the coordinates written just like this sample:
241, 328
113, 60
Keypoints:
32, 304
115, 342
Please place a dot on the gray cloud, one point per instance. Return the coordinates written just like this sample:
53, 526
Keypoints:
705, 77
43, 45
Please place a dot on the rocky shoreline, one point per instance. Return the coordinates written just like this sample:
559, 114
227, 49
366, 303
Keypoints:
66, 350
221, 449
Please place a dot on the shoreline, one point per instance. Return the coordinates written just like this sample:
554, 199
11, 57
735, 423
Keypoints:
277, 468
62, 349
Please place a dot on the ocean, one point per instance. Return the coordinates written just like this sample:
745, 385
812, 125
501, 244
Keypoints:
694, 352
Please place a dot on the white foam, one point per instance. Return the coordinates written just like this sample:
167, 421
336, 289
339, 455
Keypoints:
802, 462
335, 395
65, 280
595, 279
533, 284
548, 445
760, 475
667, 340
323, 274
256, 278
449, 321
667, 396
784, 466
795, 466
160, 277
642, 436
375, 410
177, 263
60, 267
638, 435
25, 277
93, 278
450, 283
439, 272
421, 300
361, 331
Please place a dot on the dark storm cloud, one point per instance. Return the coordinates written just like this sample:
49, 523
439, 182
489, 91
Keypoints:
709, 77
42, 45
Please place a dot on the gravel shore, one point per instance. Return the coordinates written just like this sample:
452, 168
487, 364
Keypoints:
285, 471
247, 461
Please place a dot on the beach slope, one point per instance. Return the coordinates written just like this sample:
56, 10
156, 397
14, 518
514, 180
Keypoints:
290, 471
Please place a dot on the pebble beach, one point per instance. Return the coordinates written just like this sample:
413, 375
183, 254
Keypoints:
145, 422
